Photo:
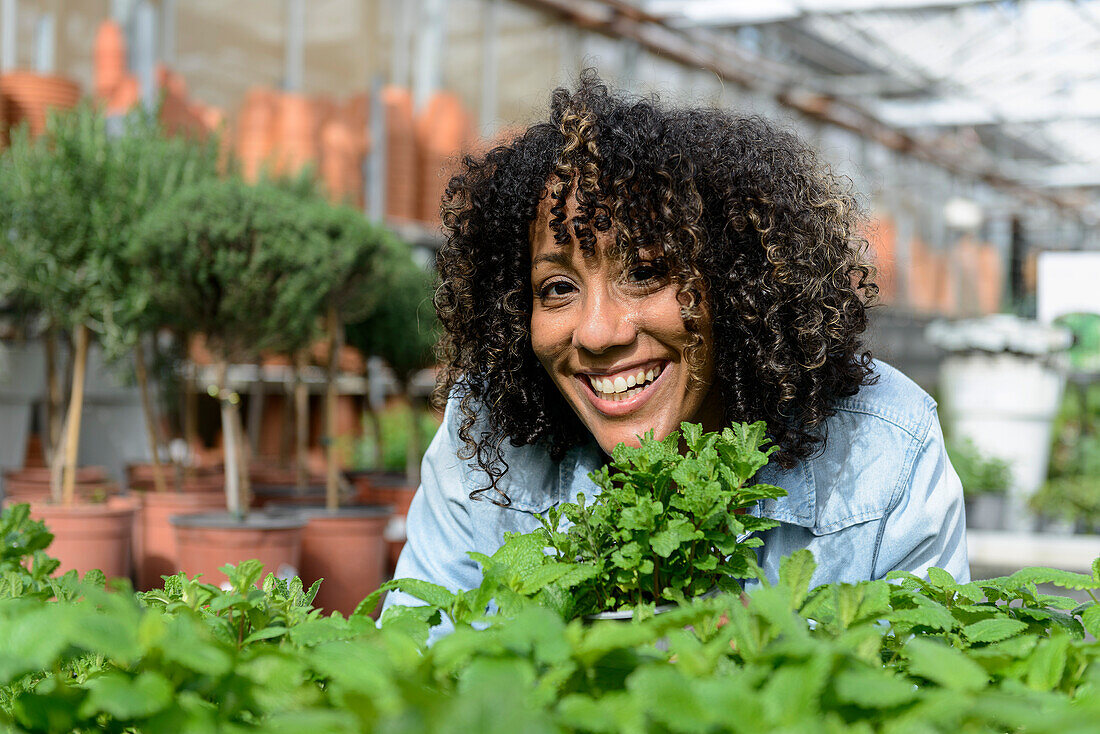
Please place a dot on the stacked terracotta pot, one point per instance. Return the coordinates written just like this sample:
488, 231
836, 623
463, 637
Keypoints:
401, 172
444, 130
394, 490
28, 97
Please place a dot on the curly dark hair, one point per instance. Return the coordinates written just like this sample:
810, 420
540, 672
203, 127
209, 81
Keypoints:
756, 233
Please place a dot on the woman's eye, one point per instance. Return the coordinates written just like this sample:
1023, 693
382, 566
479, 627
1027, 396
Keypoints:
556, 289
643, 273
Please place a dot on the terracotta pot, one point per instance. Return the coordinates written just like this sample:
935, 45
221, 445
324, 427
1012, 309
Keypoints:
90, 535
84, 474
443, 130
195, 478
28, 96
22, 491
387, 488
155, 551
400, 145
209, 541
344, 548
110, 59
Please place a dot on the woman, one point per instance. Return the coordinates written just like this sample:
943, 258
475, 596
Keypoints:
625, 267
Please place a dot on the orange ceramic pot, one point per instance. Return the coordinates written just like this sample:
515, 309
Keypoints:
387, 488
29, 96
90, 535
209, 541
345, 548
155, 551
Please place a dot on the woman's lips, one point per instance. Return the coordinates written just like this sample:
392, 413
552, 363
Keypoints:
617, 408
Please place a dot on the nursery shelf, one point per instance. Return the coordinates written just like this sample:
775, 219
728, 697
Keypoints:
1014, 550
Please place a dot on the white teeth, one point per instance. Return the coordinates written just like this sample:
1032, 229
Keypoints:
621, 388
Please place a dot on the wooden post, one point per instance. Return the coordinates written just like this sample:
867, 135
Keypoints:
332, 479
301, 422
150, 417
76, 406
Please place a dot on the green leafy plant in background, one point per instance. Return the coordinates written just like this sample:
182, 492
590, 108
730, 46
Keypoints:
1072, 489
388, 437
979, 474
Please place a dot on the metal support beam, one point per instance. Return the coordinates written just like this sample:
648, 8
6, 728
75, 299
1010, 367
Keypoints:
490, 61
294, 53
9, 21
730, 13
963, 111
168, 31
374, 165
45, 44
145, 52
406, 12
428, 63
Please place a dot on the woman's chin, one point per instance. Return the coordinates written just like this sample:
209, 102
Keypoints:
609, 437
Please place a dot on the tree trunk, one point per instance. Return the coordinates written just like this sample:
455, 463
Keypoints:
76, 406
52, 436
230, 443
191, 415
301, 422
159, 483
332, 479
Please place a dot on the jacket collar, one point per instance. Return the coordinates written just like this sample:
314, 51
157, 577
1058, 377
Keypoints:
798, 507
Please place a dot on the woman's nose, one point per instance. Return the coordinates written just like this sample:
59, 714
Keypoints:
604, 323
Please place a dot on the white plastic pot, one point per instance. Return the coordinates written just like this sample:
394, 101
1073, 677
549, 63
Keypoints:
1005, 403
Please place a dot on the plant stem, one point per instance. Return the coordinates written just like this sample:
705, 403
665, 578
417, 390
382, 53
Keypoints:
150, 420
332, 479
76, 405
229, 442
53, 396
301, 421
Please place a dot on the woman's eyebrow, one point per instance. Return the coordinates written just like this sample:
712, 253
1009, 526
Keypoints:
555, 258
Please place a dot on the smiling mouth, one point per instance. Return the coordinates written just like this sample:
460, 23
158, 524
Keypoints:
624, 385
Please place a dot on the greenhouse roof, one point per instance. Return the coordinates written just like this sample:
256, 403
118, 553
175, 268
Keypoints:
1007, 90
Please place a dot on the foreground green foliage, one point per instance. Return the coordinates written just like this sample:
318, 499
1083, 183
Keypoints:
905, 655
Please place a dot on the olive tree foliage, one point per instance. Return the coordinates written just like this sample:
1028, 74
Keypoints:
236, 263
72, 198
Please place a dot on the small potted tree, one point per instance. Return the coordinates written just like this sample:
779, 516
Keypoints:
236, 264
403, 331
81, 191
344, 545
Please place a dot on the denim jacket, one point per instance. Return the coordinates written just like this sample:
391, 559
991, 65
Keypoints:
881, 496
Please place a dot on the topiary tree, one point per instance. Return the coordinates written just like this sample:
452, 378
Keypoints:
74, 196
358, 268
403, 330
241, 265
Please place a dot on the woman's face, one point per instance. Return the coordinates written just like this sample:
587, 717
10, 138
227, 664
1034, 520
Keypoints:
612, 340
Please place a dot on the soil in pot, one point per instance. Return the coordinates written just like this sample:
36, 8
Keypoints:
268, 495
33, 485
155, 551
208, 541
90, 535
345, 548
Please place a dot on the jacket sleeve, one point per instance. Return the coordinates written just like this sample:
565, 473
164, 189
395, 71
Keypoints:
439, 530
926, 526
